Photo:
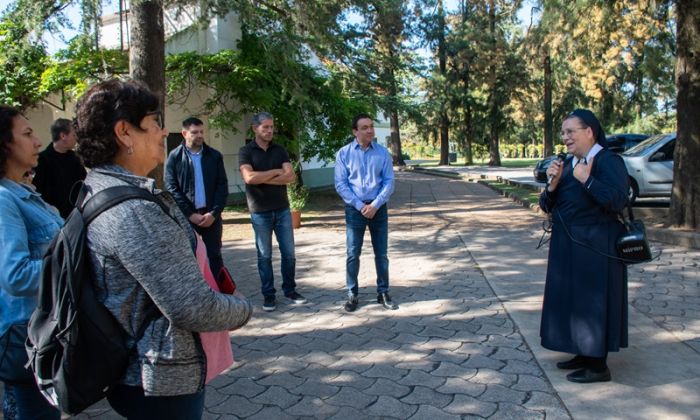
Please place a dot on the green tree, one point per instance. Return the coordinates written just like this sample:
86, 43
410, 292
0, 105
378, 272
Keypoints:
21, 65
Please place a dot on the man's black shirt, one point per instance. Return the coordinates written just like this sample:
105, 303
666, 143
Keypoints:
264, 197
55, 177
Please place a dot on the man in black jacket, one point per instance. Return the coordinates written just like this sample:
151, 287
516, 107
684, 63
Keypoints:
195, 176
59, 168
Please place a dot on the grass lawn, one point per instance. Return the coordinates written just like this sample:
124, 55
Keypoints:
524, 194
506, 163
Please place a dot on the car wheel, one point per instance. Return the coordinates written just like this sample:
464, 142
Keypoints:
633, 191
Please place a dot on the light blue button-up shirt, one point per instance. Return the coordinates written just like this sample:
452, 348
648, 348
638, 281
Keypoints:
364, 175
27, 226
200, 198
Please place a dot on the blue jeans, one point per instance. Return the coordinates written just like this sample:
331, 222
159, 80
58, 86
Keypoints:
280, 222
130, 402
211, 236
355, 233
31, 405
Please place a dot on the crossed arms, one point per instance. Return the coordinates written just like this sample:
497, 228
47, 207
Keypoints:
282, 176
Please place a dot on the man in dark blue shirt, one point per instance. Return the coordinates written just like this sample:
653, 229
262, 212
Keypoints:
364, 179
266, 171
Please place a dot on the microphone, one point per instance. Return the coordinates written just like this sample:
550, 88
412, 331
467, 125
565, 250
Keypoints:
560, 157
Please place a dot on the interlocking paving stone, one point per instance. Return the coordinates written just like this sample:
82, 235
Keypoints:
422, 395
387, 387
243, 386
465, 405
237, 406
268, 413
384, 371
499, 393
490, 376
461, 386
478, 361
283, 379
213, 397
417, 377
351, 397
531, 383
453, 370
312, 407
391, 407
316, 388
520, 367
427, 412
348, 413
348, 378
513, 411
278, 396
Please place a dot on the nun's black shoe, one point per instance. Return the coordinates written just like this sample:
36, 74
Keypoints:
586, 376
577, 362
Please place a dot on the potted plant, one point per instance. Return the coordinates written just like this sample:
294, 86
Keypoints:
298, 195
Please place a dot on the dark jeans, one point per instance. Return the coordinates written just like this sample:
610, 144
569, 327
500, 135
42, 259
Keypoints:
355, 233
130, 402
279, 222
31, 405
211, 236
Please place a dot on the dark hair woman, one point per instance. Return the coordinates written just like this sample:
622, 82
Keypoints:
27, 226
585, 297
140, 255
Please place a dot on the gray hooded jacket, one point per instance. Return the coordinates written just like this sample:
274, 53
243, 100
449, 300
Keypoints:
140, 254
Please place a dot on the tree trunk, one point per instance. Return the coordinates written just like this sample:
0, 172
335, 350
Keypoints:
442, 63
548, 129
685, 198
494, 154
468, 155
397, 154
147, 54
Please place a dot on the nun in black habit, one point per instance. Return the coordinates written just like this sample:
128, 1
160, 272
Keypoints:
585, 298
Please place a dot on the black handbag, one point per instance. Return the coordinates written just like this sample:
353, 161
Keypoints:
13, 355
632, 246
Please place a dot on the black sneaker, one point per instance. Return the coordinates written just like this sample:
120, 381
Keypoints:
270, 303
385, 300
296, 297
352, 303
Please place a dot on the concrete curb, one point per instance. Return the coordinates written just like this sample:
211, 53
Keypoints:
664, 235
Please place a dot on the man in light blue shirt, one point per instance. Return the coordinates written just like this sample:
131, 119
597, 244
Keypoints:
364, 179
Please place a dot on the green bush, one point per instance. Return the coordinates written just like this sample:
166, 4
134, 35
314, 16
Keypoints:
298, 196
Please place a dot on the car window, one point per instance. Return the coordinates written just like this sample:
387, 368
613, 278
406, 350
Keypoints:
642, 147
665, 152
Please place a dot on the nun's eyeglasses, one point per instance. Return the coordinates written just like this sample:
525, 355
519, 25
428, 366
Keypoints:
569, 131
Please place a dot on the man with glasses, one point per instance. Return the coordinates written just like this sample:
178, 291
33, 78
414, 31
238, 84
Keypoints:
195, 176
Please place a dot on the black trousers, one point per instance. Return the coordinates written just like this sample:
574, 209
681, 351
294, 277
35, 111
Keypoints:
211, 236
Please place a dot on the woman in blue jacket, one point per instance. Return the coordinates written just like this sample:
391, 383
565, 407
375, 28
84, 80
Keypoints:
27, 226
585, 297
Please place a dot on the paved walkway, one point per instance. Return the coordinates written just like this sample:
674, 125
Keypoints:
464, 342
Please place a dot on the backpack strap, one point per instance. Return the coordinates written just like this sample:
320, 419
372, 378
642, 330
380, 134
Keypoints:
108, 198
112, 196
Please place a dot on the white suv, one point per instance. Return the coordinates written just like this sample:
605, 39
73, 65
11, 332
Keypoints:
650, 167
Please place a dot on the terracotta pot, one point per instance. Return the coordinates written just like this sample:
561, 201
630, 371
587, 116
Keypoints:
296, 219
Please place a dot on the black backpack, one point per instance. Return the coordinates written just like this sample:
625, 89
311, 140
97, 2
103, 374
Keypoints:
77, 349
